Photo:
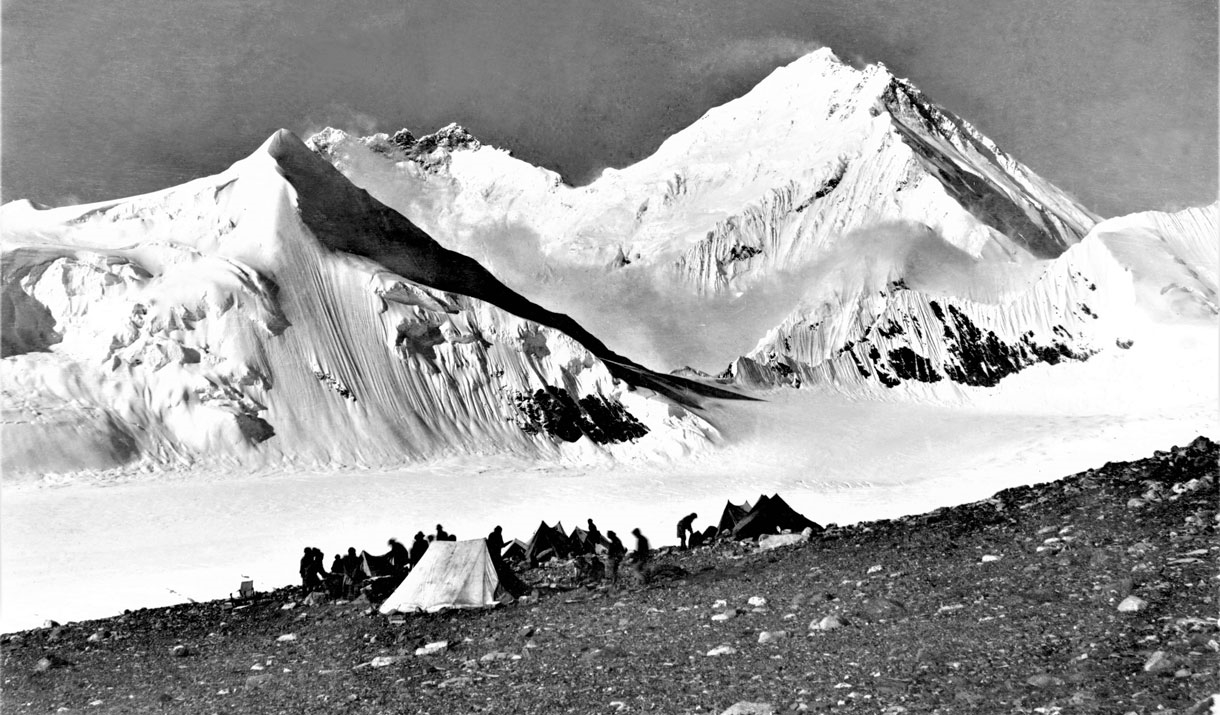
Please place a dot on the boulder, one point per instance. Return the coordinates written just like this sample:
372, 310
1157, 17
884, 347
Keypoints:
829, 623
1160, 663
432, 648
771, 636
315, 598
746, 708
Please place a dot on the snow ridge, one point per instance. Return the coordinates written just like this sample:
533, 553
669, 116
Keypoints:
275, 313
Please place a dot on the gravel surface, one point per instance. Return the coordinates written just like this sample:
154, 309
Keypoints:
1092, 594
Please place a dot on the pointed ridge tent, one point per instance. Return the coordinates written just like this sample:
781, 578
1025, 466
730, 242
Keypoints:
515, 551
374, 566
547, 539
585, 543
732, 514
452, 574
769, 516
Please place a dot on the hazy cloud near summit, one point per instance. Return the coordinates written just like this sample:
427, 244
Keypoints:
753, 53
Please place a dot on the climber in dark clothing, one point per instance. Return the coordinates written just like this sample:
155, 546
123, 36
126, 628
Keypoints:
309, 571
495, 544
614, 555
686, 526
400, 558
441, 534
595, 538
353, 571
641, 555
418, 547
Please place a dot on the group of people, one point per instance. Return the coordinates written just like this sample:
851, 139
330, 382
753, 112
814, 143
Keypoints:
348, 571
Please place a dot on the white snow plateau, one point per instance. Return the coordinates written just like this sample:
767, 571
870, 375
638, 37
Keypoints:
845, 293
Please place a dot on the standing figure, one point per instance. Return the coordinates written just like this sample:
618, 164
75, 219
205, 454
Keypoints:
641, 555
309, 574
353, 571
400, 559
495, 544
418, 547
614, 556
441, 534
686, 526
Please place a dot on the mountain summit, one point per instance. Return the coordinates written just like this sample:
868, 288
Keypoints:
744, 211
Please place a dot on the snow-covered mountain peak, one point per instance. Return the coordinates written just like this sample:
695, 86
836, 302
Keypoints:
430, 151
276, 312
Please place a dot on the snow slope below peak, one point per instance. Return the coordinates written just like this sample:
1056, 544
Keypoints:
932, 330
277, 314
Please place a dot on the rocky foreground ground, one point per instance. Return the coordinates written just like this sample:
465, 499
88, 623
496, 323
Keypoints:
1093, 594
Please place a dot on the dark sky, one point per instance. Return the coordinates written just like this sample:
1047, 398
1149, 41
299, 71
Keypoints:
1113, 100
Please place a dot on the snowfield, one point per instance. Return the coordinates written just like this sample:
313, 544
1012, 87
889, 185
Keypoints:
82, 549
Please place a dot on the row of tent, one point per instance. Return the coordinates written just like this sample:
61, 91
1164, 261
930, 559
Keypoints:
768, 515
463, 574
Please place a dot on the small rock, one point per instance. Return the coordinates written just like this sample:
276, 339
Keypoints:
50, 661
1134, 503
720, 603
50, 624
722, 650
874, 569
882, 607
1159, 663
286, 638
494, 656
95, 637
757, 601
433, 648
1182, 673
726, 616
771, 636
1042, 680
1132, 604
256, 681
988, 558
745, 708
829, 623
460, 681
288, 606
179, 651
526, 631
382, 661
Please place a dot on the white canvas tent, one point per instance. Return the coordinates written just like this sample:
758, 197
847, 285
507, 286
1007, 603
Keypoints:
452, 574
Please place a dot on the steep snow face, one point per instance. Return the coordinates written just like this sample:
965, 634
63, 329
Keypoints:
749, 201
899, 326
275, 313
